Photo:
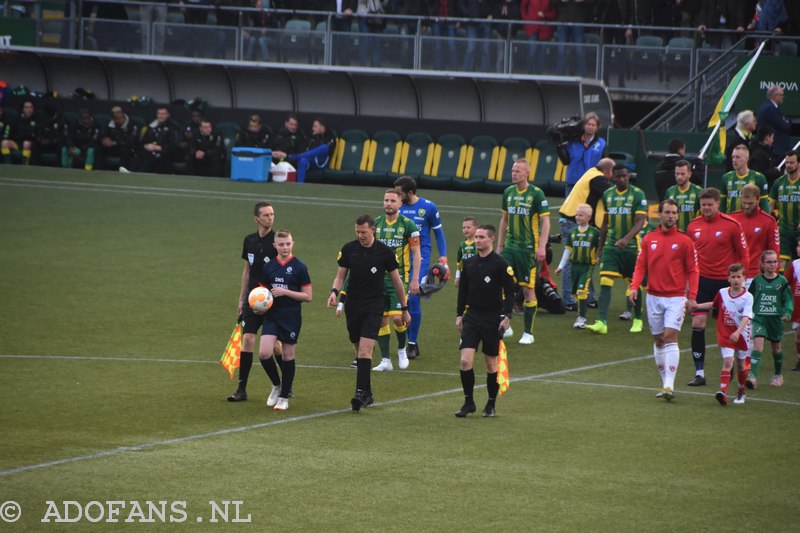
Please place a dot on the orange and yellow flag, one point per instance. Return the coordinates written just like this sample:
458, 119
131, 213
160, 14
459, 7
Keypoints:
502, 369
230, 357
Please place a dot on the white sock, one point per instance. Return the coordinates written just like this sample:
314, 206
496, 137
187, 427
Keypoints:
659, 355
672, 357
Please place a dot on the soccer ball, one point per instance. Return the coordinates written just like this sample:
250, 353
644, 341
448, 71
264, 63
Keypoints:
260, 300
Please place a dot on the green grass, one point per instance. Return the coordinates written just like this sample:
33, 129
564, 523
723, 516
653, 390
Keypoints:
141, 274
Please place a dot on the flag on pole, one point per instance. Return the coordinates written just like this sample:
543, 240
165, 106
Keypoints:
502, 369
714, 149
230, 357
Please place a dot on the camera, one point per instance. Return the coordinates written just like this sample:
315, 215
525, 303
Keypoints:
569, 129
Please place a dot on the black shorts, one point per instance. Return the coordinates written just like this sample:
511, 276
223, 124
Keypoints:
285, 326
252, 321
707, 289
363, 321
481, 328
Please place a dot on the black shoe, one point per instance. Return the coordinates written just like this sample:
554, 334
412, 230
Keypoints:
412, 350
698, 381
592, 304
367, 399
467, 408
796, 368
357, 401
239, 396
354, 364
488, 411
571, 307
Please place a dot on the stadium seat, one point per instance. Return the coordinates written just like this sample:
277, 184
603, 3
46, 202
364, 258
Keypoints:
416, 158
447, 163
788, 49
296, 41
480, 163
549, 173
512, 149
350, 156
102, 120
317, 48
647, 58
229, 130
383, 161
677, 56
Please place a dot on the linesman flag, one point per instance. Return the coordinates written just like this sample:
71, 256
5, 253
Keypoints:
230, 357
714, 149
502, 369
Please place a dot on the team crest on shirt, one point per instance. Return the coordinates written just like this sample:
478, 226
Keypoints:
421, 213
510, 271
653, 245
757, 230
674, 246
251, 258
373, 270
718, 234
487, 279
696, 234
289, 270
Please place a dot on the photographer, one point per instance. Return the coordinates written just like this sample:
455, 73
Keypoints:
580, 148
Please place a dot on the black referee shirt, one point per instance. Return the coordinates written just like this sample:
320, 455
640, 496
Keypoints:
484, 281
367, 268
254, 251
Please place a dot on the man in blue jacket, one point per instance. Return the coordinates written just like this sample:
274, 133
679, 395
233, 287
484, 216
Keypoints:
770, 115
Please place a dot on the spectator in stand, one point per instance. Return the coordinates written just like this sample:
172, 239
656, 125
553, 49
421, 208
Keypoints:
690, 13
621, 12
22, 134
149, 13
196, 15
82, 141
665, 13
318, 150
254, 134
228, 18
290, 139
722, 14
578, 13
343, 9
761, 159
120, 139
769, 16
206, 156
159, 141
51, 135
586, 152
537, 11
441, 27
257, 35
769, 114
478, 10
740, 133
370, 22
665, 174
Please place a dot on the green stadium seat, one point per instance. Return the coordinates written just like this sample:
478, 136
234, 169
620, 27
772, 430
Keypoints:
416, 158
480, 163
295, 42
229, 131
349, 157
447, 162
383, 161
549, 173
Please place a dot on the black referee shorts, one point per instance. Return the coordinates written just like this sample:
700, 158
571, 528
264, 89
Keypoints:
363, 321
481, 328
707, 289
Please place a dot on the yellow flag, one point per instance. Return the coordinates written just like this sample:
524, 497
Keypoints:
230, 357
502, 369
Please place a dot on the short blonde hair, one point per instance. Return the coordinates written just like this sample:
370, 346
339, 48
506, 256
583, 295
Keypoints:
584, 207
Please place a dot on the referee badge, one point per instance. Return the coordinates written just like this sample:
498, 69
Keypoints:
251, 258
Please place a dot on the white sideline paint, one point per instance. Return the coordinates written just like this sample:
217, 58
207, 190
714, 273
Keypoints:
148, 445
216, 195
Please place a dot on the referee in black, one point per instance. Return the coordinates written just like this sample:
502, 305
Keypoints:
367, 260
485, 302
257, 249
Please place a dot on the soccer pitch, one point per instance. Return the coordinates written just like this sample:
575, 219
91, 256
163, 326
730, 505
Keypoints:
119, 293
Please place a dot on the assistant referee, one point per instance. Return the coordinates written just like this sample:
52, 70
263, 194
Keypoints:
485, 302
367, 260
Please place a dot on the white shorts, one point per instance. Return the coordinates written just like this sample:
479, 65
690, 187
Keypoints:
730, 352
665, 312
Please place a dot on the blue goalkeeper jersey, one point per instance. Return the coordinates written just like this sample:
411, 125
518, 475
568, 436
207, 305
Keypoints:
425, 215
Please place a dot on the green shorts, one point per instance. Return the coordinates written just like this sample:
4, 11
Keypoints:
581, 276
391, 305
770, 327
523, 261
618, 263
789, 245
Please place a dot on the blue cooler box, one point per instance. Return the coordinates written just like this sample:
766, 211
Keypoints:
250, 164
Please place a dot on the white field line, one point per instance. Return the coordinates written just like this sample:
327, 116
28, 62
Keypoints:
217, 195
310, 416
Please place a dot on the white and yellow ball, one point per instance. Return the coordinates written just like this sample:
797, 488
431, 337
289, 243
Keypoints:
260, 300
